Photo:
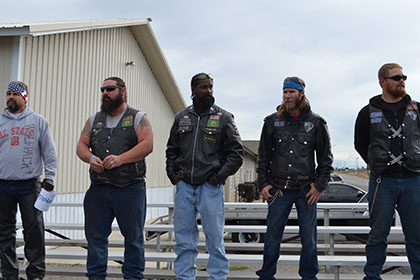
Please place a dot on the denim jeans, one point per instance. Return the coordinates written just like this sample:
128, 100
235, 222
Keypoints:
22, 193
208, 200
278, 213
102, 204
402, 194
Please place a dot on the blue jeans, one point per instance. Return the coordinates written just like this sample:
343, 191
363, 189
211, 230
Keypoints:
278, 213
208, 200
102, 204
402, 194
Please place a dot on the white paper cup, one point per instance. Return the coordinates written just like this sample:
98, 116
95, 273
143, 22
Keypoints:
45, 199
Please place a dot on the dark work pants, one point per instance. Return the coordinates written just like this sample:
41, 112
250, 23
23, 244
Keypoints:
24, 194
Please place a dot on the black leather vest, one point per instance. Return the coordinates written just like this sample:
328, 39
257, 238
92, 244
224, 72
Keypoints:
114, 141
294, 146
381, 135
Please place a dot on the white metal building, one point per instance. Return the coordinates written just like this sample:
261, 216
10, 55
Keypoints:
64, 64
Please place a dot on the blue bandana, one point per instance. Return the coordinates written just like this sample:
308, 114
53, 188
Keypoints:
292, 84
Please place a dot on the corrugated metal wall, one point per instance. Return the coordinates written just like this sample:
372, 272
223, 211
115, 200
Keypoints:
246, 173
6, 50
64, 73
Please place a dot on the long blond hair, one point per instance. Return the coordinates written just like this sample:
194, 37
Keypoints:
302, 105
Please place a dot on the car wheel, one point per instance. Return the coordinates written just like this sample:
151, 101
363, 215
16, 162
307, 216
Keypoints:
248, 237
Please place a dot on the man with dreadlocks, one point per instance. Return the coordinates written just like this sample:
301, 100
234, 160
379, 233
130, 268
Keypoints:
287, 175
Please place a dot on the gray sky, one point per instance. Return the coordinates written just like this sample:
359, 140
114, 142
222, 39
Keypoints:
250, 46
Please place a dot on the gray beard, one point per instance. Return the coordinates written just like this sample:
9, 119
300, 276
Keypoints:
12, 106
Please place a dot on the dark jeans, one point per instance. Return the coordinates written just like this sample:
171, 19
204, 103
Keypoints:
22, 193
402, 194
278, 214
102, 204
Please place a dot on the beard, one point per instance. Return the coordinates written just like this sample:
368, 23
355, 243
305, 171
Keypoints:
293, 104
12, 106
109, 105
203, 103
399, 91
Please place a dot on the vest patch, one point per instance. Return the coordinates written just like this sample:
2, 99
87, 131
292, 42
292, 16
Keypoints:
213, 123
308, 126
209, 139
376, 117
214, 117
127, 121
375, 120
279, 123
376, 114
185, 121
412, 114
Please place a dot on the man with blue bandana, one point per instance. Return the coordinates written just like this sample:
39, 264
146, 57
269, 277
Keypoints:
27, 150
287, 175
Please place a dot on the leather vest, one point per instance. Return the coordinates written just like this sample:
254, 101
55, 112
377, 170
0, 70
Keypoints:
114, 141
294, 146
381, 133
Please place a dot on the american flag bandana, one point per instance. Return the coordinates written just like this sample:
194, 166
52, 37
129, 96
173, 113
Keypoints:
18, 88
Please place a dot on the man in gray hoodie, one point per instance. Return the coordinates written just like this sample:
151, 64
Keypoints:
26, 150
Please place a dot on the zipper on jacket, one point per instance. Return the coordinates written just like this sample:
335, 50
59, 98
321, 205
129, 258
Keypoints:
193, 155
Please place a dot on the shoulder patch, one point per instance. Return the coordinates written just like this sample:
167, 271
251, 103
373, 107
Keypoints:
412, 114
308, 126
127, 121
279, 123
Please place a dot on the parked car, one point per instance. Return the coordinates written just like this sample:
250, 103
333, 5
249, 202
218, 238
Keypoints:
336, 192
336, 178
343, 192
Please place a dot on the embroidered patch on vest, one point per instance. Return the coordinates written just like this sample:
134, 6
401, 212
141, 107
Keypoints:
185, 121
213, 123
375, 120
412, 106
375, 117
214, 117
279, 123
308, 126
209, 139
412, 114
127, 121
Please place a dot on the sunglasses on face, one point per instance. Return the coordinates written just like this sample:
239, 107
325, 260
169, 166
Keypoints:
109, 88
397, 78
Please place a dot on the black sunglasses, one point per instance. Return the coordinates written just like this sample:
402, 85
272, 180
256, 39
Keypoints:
109, 88
397, 78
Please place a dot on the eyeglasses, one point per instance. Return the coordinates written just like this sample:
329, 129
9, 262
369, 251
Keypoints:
109, 88
397, 78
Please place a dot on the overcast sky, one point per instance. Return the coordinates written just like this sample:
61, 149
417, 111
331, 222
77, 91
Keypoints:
250, 46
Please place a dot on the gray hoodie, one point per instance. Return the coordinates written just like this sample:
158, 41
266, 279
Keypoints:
26, 145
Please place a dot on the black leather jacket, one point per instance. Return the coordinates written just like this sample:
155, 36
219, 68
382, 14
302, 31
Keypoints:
287, 151
201, 146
